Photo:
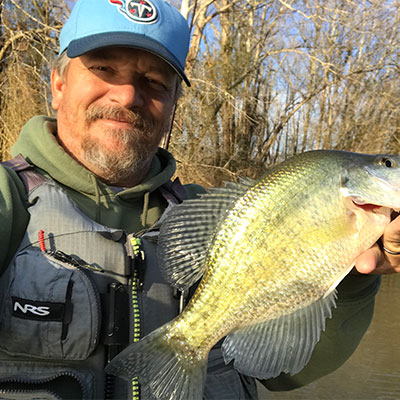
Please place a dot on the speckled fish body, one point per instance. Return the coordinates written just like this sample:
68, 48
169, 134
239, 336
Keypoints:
276, 250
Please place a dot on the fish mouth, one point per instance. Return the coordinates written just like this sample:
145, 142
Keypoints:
375, 208
366, 206
369, 205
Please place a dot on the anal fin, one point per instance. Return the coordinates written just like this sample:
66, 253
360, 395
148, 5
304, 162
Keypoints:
285, 344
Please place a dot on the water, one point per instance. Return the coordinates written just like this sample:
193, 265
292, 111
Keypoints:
373, 371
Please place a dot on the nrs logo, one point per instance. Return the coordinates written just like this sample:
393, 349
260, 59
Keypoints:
37, 310
30, 308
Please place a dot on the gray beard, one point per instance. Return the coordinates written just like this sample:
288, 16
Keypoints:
138, 141
117, 167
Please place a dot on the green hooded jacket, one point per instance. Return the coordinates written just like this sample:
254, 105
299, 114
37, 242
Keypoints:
132, 209
139, 207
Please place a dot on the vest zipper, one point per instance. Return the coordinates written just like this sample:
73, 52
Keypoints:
136, 329
43, 381
30, 392
137, 282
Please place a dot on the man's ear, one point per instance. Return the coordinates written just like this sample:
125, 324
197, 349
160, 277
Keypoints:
57, 86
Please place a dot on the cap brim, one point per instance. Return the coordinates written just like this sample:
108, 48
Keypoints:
81, 46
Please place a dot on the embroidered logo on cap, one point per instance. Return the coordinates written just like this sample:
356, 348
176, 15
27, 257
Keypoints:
142, 11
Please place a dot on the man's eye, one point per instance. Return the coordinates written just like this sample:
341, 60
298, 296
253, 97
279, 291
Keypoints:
100, 68
157, 84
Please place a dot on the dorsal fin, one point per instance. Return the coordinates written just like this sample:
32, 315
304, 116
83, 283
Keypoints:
187, 231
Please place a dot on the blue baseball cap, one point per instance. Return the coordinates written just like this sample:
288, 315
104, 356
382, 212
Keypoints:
151, 25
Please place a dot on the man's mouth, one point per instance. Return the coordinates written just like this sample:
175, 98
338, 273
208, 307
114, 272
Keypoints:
117, 120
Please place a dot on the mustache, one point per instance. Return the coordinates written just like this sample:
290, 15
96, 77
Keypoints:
135, 118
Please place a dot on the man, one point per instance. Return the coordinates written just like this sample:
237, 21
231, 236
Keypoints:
79, 280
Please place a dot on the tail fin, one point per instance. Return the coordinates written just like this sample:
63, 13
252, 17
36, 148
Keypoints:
162, 372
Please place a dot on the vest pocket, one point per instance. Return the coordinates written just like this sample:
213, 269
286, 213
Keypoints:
50, 309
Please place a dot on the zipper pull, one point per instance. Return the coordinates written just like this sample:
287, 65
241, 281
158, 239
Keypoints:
138, 257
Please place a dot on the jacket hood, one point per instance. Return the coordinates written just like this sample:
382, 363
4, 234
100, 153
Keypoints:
38, 144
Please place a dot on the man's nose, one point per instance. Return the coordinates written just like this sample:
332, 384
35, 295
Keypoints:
127, 95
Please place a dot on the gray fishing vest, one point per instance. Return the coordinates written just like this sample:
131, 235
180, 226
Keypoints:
77, 293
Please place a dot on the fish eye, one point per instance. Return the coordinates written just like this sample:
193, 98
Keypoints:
387, 162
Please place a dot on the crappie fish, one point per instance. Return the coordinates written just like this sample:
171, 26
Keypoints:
271, 255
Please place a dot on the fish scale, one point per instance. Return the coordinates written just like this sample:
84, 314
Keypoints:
270, 266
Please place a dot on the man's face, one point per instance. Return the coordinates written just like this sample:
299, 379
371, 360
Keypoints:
114, 105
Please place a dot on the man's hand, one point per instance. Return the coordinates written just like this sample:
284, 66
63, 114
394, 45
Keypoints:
378, 261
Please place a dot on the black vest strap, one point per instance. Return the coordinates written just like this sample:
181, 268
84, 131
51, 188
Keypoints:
29, 177
172, 191
17, 163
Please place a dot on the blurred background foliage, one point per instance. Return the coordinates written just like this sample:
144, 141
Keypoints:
269, 79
